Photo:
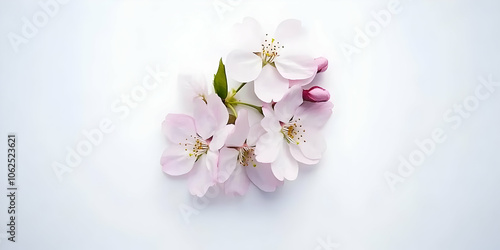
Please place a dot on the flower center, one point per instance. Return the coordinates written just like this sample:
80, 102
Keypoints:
270, 50
195, 146
293, 131
246, 156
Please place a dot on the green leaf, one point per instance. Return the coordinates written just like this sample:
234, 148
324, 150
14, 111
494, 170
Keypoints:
220, 81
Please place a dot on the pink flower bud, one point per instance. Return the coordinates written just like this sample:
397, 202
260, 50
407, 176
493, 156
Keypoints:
322, 64
315, 94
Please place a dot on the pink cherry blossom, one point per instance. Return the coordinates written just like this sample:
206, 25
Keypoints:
237, 164
267, 60
315, 94
193, 86
292, 134
321, 64
195, 143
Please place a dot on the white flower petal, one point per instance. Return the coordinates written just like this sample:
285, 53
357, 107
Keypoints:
314, 114
270, 85
262, 176
220, 137
288, 30
218, 110
254, 134
267, 109
200, 178
176, 161
268, 147
248, 35
178, 127
270, 124
204, 121
238, 182
303, 82
295, 67
243, 66
299, 156
285, 108
312, 144
228, 158
239, 134
211, 161
285, 166
193, 85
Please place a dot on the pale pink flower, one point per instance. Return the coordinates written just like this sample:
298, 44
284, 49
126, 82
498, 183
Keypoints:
195, 143
321, 66
237, 163
193, 86
267, 60
292, 134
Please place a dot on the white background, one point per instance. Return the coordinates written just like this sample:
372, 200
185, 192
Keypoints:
396, 90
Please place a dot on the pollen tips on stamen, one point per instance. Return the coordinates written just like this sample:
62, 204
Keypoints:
245, 155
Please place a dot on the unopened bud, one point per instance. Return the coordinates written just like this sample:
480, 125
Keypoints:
315, 94
322, 64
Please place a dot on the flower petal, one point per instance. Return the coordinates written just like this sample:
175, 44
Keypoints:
268, 147
239, 134
248, 34
238, 182
211, 161
228, 158
270, 123
220, 137
243, 66
314, 114
193, 85
200, 178
295, 67
218, 110
312, 144
302, 82
299, 156
285, 108
262, 176
178, 127
254, 134
285, 166
205, 122
176, 161
288, 30
270, 85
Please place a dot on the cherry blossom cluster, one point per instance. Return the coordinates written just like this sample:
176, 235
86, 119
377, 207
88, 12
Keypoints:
220, 144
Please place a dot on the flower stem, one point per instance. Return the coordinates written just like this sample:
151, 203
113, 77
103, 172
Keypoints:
246, 104
241, 86
249, 105
232, 109
230, 101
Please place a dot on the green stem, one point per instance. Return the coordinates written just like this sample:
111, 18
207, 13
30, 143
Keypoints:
241, 86
249, 105
246, 104
232, 109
